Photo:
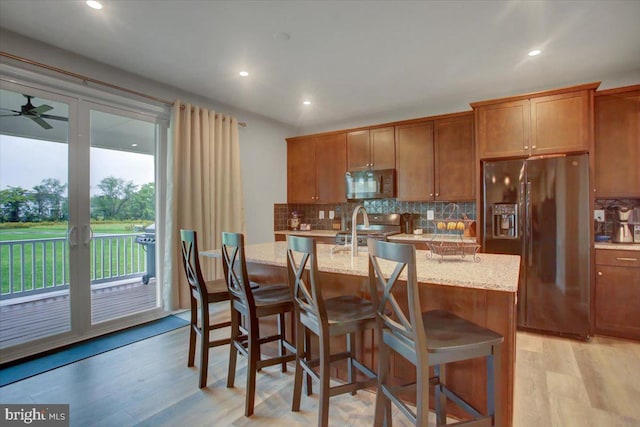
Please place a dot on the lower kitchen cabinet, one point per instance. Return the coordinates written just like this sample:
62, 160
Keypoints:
617, 310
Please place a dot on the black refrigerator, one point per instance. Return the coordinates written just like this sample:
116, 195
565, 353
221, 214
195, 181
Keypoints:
538, 208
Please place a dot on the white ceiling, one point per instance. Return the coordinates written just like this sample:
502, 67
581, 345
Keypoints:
352, 59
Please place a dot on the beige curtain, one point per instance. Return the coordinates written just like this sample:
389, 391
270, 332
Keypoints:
204, 192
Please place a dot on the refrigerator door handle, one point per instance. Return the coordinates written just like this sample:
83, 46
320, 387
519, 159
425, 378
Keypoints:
529, 225
522, 226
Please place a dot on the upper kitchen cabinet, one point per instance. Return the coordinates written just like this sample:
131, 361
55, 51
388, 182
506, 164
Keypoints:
414, 162
454, 169
503, 129
371, 149
617, 146
316, 166
551, 122
435, 159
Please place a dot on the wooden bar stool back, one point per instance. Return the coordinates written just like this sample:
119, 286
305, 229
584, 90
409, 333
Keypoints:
343, 315
253, 302
201, 295
431, 338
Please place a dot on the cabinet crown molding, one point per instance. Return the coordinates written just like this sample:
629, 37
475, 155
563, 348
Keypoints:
586, 86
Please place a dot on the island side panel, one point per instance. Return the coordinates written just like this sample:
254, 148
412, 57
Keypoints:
491, 309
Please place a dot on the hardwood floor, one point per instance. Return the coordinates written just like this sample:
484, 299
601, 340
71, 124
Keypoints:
561, 382
558, 383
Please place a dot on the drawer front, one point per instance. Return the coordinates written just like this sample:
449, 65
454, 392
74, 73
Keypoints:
618, 258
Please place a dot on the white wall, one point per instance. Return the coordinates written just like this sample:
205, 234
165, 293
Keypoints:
262, 142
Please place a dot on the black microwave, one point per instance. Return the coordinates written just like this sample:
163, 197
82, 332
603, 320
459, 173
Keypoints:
372, 184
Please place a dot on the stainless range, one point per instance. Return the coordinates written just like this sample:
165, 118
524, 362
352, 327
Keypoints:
380, 227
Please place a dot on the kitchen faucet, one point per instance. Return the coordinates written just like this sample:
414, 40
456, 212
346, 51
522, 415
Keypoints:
354, 236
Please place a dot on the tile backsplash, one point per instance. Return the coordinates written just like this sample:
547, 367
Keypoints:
311, 212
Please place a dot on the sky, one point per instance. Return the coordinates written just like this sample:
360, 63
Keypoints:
26, 162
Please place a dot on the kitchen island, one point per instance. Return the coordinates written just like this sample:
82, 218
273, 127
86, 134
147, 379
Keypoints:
483, 292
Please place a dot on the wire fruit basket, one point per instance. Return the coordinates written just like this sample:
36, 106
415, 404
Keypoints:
455, 223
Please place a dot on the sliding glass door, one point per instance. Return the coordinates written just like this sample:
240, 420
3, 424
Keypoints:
35, 236
122, 212
77, 218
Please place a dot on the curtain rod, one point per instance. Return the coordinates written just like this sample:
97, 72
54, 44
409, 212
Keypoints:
91, 80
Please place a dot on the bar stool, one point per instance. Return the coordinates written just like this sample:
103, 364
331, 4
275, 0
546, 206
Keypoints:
201, 295
253, 304
326, 318
432, 338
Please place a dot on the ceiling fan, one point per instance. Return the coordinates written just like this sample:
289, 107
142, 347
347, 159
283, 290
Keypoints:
35, 113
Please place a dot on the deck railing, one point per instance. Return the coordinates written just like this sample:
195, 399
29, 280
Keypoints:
29, 267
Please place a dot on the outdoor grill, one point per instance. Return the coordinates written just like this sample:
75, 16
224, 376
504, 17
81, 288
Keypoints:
148, 242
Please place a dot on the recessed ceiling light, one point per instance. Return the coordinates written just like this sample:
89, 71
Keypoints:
94, 4
244, 73
134, 145
306, 102
535, 52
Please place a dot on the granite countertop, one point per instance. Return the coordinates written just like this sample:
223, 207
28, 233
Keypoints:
493, 272
618, 246
394, 237
311, 233
431, 237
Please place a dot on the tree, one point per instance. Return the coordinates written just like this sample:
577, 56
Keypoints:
143, 203
13, 204
115, 195
49, 199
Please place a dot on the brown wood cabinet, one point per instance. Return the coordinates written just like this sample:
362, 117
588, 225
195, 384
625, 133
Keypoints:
558, 121
454, 169
371, 149
617, 143
503, 129
617, 296
316, 166
414, 161
435, 159
495, 310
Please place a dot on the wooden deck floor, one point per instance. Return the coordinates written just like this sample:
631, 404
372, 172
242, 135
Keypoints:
48, 315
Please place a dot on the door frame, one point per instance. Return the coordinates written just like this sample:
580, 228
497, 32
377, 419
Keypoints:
75, 96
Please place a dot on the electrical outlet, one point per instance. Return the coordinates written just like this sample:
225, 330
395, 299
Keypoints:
321, 215
430, 215
598, 215
332, 214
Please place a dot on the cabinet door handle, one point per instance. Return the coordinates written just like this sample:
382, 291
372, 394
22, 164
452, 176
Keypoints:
526, 147
430, 194
599, 273
533, 147
626, 259
437, 194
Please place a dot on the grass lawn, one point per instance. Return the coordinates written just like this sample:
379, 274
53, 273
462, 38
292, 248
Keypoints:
46, 264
